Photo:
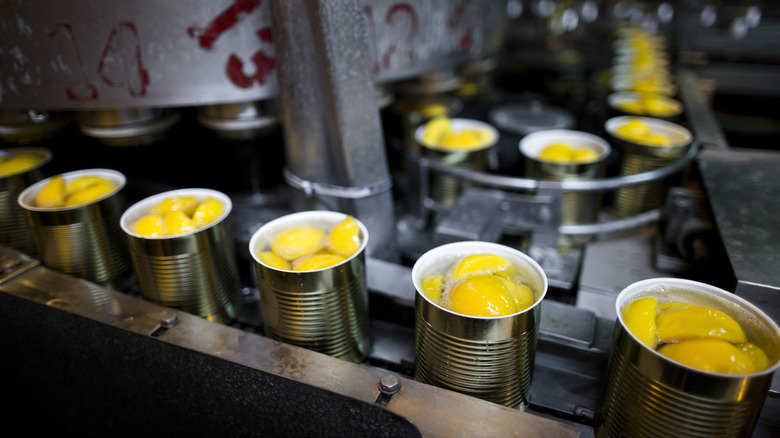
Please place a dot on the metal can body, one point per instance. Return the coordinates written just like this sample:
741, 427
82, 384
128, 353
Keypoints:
195, 272
84, 240
445, 189
324, 310
639, 158
577, 207
14, 229
650, 395
490, 358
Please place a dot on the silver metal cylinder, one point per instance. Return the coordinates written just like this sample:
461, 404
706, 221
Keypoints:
647, 394
196, 271
14, 229
325, 310
84, 240
638, 158
577, 207
490, 358
445, 189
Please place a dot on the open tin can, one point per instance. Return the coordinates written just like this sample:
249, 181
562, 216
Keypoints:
649, 394
639, 158
194, 271
578, 207
490, 358
445, 189
83, 240
324, 310
14, 229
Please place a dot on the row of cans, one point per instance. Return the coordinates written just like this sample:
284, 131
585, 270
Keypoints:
94, 241
326, 310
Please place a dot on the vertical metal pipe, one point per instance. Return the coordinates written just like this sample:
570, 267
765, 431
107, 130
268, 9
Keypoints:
333, 132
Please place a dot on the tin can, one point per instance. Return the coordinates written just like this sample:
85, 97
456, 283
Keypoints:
14, 229
84, 240
417, 110
195, 271
324, 310
639, 158
648, 394
659, 106
490, 358
577, 207
445, 189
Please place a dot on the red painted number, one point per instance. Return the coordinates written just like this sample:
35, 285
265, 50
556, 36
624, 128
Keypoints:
120, 65
79, 89
264, 65
457, 20
222, 23
396, 49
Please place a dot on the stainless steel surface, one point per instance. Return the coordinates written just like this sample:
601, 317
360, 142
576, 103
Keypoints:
742, 187
253, 385
538, 214
609, 265
14, 263
97, 54
91, 54
697, 95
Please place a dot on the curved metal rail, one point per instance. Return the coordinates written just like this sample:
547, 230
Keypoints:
598, 184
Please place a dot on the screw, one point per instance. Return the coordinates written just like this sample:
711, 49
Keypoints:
389, 384
168, 319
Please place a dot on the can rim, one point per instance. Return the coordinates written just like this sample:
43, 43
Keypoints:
27, 194
46, 156
617, 97
455, 250
135, 211
331, 218
459, 124
649, 286
685, 135
530, 145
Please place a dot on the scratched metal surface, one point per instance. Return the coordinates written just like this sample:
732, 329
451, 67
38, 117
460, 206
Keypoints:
92, 54
99, 362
